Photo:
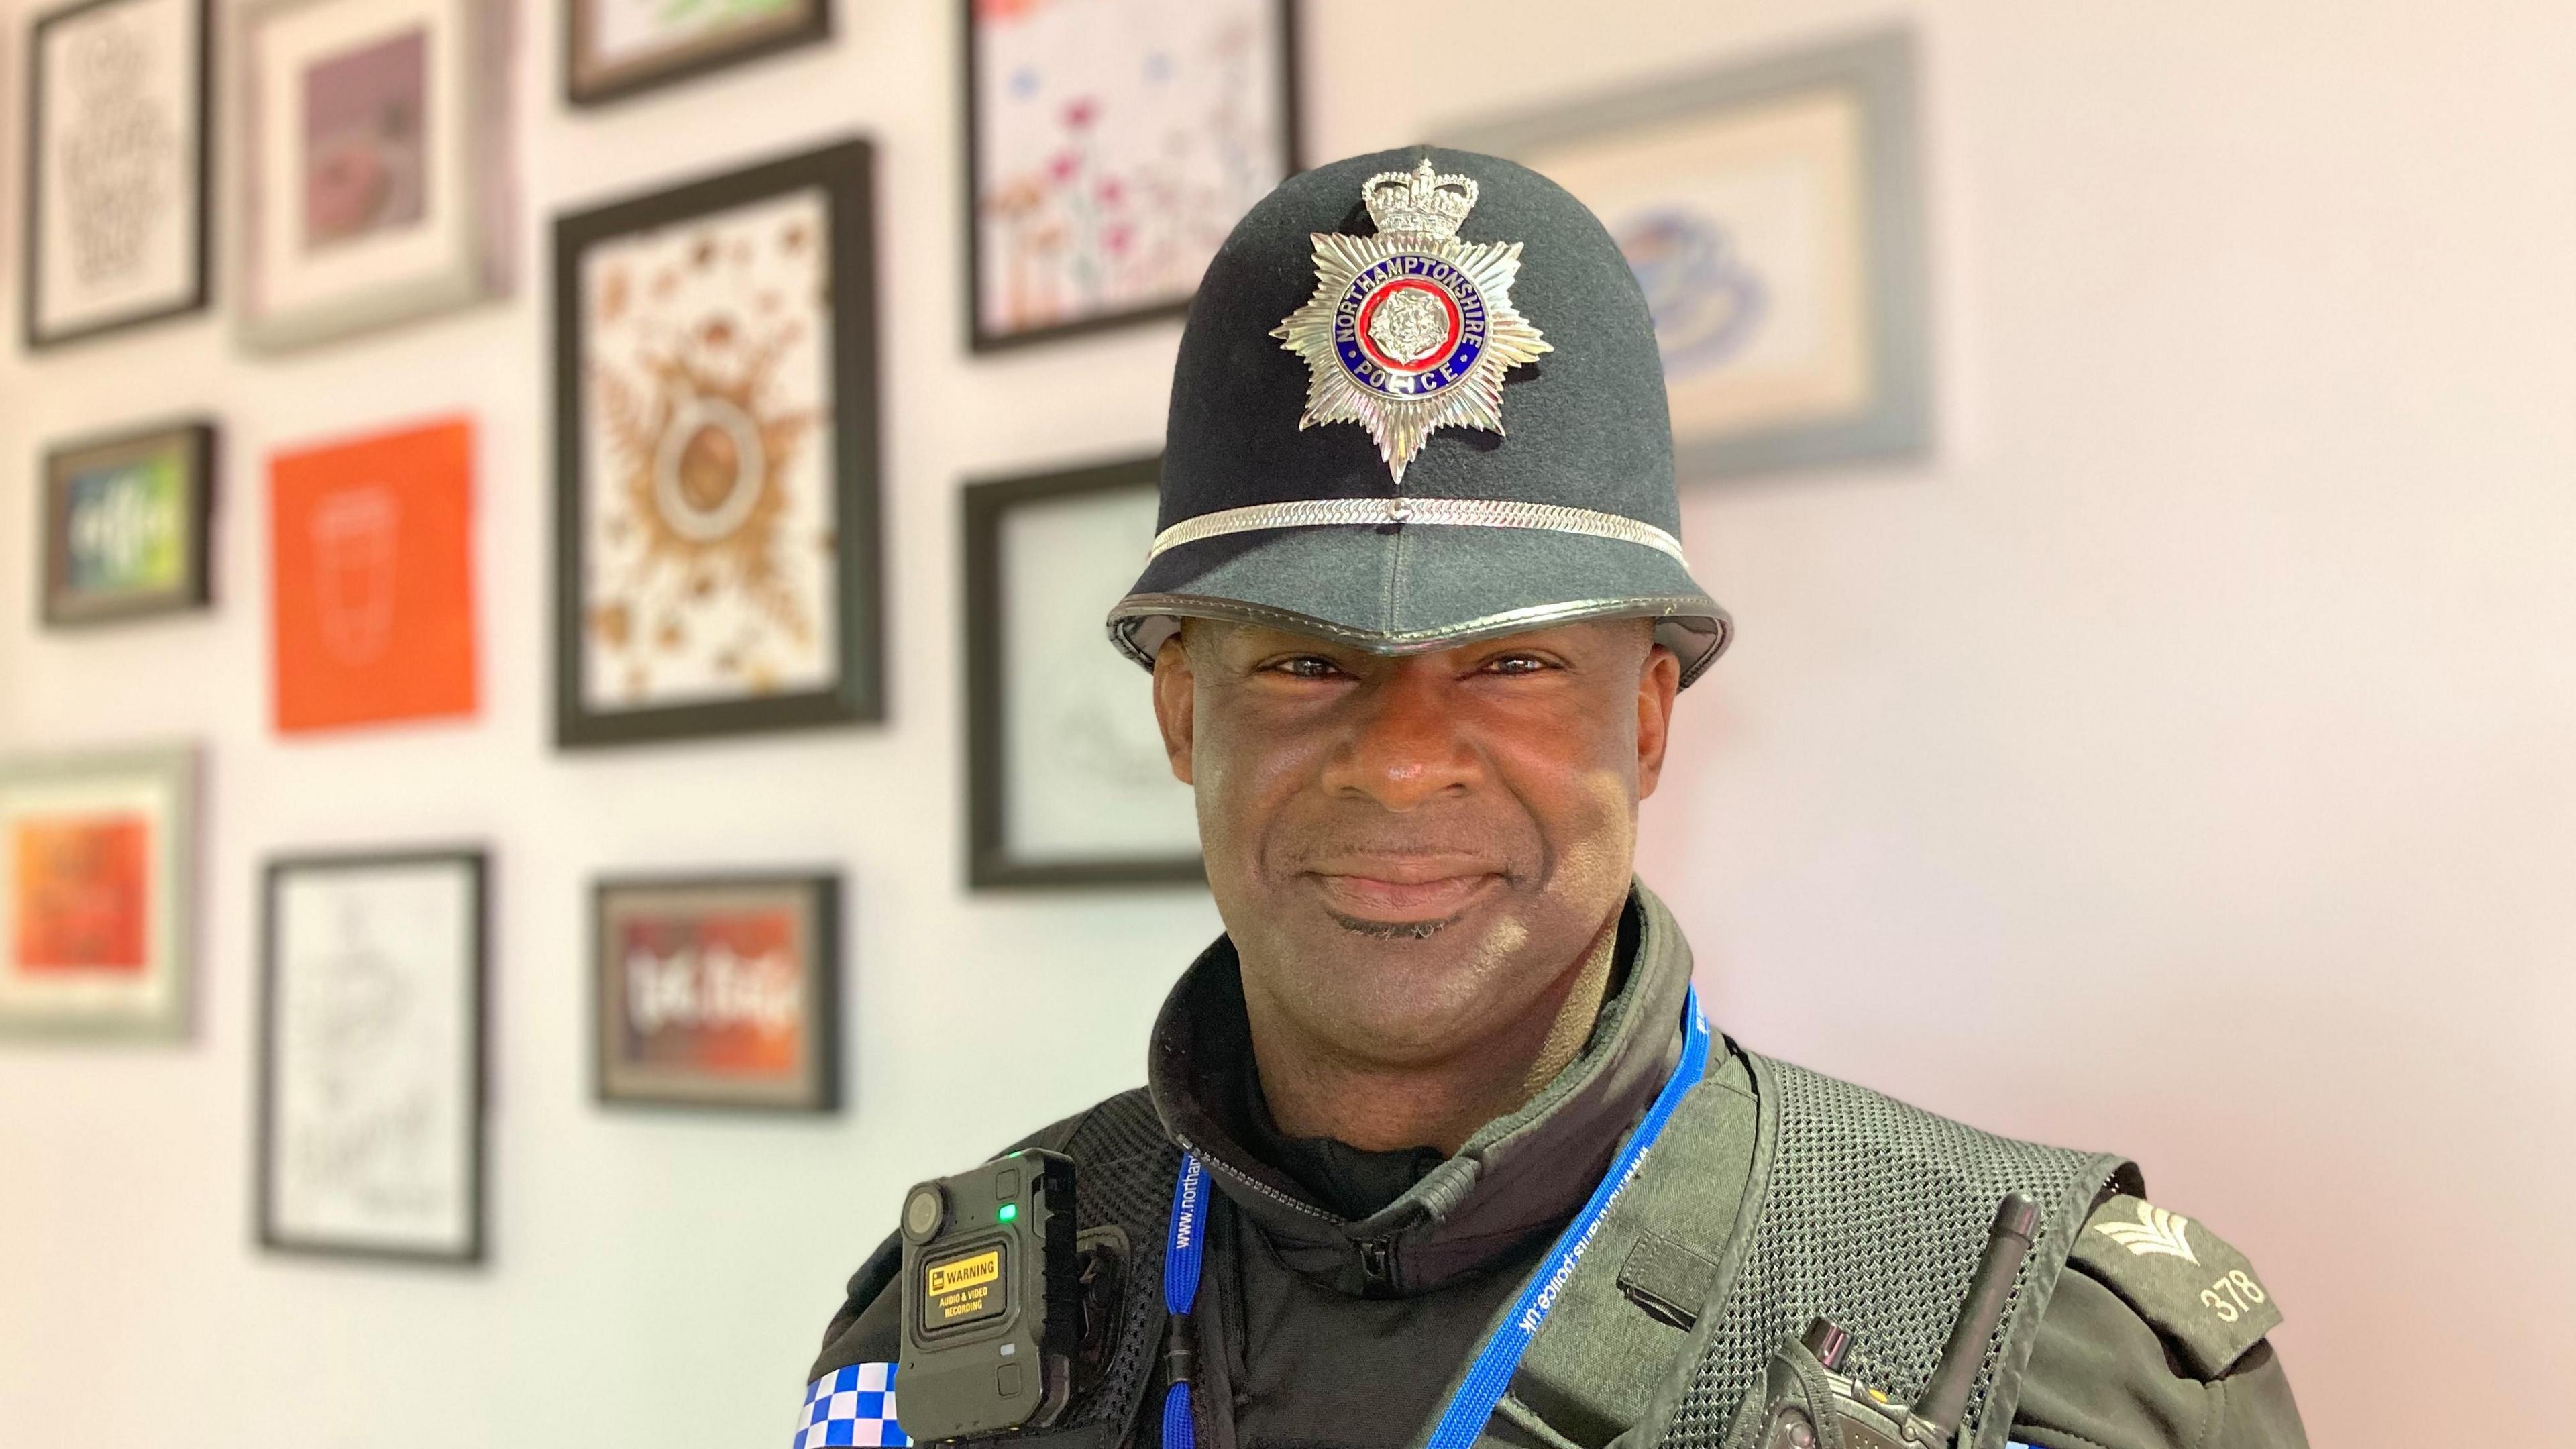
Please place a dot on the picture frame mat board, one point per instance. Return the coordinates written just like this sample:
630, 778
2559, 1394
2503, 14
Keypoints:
1083, 675
1869, 79
854, 690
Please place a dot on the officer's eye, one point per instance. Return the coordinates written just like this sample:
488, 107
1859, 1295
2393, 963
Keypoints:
1304, 666
1517, 664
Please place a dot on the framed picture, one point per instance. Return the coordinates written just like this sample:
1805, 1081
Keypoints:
118, 144
1110, 146
371, 1056
126, 523
372, 594
97, 876
719, 992
376, 167
614, 48
716, 457
1067, 783
1774, 215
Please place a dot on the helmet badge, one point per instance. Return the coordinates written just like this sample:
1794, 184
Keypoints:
1410, 329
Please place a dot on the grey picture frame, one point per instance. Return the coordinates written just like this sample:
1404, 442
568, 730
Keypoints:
175, 770
1879, 68
483, 210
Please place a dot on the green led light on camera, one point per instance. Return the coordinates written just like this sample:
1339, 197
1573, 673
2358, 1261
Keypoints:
1009, 1211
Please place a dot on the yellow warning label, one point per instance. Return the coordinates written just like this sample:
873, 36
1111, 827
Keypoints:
959, 1275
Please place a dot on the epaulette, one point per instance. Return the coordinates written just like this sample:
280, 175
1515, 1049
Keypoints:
2187, 1283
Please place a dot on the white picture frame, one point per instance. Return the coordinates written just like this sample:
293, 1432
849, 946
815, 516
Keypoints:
377, 177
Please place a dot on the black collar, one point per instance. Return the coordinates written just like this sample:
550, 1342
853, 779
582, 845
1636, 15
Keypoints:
1409, 1220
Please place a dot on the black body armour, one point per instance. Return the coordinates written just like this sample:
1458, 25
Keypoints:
1859, 1208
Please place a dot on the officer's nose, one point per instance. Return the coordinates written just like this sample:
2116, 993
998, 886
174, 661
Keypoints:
1404, 747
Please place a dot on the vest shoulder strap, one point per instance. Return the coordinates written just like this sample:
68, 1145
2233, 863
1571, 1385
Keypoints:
1786, 1195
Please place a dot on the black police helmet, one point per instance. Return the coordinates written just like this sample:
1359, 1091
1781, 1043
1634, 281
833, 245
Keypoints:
1300, 489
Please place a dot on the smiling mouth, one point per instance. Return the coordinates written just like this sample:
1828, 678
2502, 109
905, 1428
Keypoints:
1391, 903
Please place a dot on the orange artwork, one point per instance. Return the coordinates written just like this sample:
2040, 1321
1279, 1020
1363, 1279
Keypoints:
83, 894
372, 582
720, 993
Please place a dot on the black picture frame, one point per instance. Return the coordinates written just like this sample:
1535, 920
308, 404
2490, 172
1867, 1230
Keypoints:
199, 173
981, 339
476, 1093
990, 861
814, 27
844, 170
58, 605
820, 891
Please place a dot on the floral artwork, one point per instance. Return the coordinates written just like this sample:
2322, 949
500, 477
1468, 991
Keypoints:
710, 537
1116, 142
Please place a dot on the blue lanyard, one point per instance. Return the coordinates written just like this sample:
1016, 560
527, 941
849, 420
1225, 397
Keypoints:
1500, 1357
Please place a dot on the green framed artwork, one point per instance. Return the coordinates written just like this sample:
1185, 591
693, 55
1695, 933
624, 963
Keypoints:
125, 525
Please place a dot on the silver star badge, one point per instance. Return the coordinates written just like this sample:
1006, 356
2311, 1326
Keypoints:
1410, 329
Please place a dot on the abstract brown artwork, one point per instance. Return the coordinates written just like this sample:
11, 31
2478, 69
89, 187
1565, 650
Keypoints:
711, 513
719, 458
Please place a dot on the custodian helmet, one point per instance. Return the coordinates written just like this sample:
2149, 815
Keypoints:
1418, 403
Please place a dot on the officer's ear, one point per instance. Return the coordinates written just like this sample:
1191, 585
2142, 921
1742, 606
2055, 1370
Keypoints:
1659, 682
1175, 702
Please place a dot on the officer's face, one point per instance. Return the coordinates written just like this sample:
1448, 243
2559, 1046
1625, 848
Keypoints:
1413, 854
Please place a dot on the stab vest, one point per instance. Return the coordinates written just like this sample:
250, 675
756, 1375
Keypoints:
1858, 1208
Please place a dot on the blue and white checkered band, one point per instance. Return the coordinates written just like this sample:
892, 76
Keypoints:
854, 1405
1411, 326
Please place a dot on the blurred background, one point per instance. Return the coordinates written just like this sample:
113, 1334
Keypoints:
2153, 725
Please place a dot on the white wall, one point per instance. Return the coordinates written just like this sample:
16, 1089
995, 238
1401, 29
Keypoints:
2183, 762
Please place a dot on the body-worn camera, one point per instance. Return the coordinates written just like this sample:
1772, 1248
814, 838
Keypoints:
992, 1299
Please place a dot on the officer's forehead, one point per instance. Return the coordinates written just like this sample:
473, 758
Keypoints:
1229, 636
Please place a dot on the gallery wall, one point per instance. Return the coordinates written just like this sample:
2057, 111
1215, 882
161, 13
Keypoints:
2176, 761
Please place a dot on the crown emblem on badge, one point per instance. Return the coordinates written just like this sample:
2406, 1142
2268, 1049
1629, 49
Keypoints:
1419, 202
1411, 329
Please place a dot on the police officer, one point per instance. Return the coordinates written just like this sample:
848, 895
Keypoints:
1417, 617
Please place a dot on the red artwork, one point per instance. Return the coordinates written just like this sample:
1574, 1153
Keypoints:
372, 590
83, 895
